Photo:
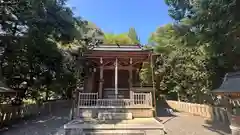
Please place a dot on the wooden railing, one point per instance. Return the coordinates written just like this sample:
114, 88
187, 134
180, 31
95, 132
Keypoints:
137, 100
87, 99
142, 98
115, 102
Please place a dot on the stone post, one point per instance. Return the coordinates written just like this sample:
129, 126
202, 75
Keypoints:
235, 125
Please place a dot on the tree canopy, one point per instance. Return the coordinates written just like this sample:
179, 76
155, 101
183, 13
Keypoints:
34, 35
124, 38
197, 49
132, 34
117, 39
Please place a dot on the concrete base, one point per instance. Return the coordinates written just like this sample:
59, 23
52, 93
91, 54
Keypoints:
114, 116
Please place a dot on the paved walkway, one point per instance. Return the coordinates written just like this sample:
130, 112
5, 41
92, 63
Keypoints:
185, 124
43, 125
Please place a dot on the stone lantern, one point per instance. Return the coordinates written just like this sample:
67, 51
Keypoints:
230, 89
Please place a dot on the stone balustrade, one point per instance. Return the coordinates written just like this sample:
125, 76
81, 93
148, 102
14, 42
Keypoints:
210, 112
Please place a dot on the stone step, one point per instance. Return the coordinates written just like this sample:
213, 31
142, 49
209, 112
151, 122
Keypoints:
93, 112
149, 126
115, 132
114, 116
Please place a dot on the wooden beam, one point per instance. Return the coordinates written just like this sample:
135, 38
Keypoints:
101, 82
107, 60
119, 57
95, 61
119, 67
107, 63
128, 53
101, 60
154, 87
130, 78
116, 78
141, 61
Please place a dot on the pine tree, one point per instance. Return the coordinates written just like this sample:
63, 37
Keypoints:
132, 34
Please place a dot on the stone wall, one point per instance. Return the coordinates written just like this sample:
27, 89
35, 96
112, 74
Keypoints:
9, 113
141, 112
210, 112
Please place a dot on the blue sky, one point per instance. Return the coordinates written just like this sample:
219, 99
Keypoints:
117, 16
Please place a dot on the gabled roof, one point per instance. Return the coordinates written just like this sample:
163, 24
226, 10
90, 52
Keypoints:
115, 47
231, 84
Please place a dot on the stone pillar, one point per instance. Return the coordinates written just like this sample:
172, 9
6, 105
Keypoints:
235, 130
235, 125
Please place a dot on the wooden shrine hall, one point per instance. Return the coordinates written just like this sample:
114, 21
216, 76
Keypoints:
116, 70
113, 83
112, 100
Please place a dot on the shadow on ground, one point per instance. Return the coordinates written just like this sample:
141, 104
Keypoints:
163, 109
220, 128
39, 125
164, 112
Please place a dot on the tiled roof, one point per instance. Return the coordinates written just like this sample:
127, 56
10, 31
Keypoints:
231, 83
105, 47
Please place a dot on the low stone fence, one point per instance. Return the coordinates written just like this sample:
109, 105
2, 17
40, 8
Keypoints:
9, 113
210, 112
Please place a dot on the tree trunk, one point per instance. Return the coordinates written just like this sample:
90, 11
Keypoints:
47, 94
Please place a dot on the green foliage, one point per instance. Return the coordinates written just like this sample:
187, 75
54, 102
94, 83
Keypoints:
117, 39
180, 68
146, 74
216, 25
132, 34
39, 40
124, 38
196, 52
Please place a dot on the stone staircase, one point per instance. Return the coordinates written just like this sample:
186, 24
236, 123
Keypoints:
113, 122
138, 126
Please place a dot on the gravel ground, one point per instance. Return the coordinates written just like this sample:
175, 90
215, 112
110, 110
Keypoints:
185, 124
43, 125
